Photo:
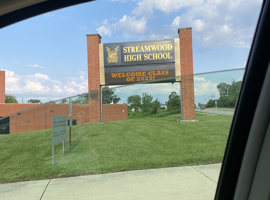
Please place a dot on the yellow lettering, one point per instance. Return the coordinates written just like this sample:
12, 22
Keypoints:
153, 47
126, 58
146, 57
146, 48
114, 75
169, 47
139, 57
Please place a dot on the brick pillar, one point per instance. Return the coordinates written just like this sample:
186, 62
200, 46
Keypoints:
187, 82
93, 76
2, 87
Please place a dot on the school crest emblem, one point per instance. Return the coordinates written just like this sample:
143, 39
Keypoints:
112, 55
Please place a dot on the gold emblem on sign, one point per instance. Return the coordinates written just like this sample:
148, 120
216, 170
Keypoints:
112, 55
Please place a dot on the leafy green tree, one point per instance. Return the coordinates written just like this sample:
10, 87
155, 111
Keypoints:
228, 95
108, 96
80, 99
33, 101
146, 102
211, 103
134, 102
223, 89
10, 99
155, 106
174, 102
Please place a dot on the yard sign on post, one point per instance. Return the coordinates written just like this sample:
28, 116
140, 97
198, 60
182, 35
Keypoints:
59, 132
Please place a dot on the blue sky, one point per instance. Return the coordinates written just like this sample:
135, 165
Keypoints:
45, 57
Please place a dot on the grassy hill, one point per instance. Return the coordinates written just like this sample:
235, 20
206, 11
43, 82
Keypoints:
139, 143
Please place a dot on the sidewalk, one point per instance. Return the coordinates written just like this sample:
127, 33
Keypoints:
191, 182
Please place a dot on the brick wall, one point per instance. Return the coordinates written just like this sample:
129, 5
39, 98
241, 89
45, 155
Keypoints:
93, 76
114, 112
8, 109
2, 87
40, 117
187, 81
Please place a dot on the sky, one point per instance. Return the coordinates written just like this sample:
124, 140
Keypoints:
45, 57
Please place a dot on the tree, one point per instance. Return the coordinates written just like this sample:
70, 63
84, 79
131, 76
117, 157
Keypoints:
134, 102
80, 99
211, 103
174, 102
33, 101
223, 89
10, 99
146, 102
228, 95
155, 106
108, 96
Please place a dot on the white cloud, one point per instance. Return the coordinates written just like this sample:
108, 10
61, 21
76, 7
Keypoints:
39, 76
105, 29
128, 25
35, 87
36, 66
176, 22
41, 85
204, 87
131, 25
229, 23
223, 23
198, 25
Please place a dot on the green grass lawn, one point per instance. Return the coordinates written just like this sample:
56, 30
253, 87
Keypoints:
139, 143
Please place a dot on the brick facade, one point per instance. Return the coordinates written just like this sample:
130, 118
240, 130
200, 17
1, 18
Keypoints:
10, 108
114, 112
93, 42
40, 116
2, 87
187, 81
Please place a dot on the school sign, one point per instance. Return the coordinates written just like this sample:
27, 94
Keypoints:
134, 62
155, 61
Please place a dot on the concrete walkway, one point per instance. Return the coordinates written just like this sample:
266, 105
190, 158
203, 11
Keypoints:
191, 182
